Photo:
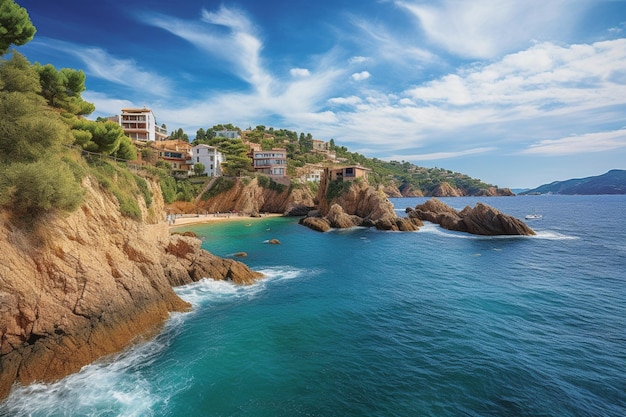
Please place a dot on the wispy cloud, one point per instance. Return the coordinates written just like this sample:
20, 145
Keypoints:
125, 72
239, 45
484, 29
435, 156
378, 40
591, 142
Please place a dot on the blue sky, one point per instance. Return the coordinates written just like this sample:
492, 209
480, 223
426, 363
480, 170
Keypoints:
516, 93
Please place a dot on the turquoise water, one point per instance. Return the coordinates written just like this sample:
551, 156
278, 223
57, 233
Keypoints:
370, 323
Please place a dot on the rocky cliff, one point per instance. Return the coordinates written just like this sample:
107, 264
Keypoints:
249, 197
355, 203
76, 287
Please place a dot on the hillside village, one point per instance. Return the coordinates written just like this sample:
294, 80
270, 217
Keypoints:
281, 155
199, 159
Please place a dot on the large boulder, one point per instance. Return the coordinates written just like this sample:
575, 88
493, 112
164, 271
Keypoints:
480, 220
339, 219
318, 224
486, 220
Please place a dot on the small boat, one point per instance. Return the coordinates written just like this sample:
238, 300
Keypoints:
533, 216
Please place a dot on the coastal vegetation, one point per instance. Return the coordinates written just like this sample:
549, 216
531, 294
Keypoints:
299, 147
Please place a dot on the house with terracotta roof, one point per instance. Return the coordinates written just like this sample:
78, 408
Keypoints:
177, 153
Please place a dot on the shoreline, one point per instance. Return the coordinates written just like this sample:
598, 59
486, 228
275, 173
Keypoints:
194, 219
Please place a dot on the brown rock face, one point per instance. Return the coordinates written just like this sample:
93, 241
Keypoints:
251, 198
358, 205
446, 190
480, 220
493, 192
84, 285
318, 224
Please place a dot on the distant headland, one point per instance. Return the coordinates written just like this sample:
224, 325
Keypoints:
612, 182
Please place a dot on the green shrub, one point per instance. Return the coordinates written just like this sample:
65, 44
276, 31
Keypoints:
125, 186
263, 181
144, 189
268, 183
128, 204
42, 187
222, 184
168, 188
336, 188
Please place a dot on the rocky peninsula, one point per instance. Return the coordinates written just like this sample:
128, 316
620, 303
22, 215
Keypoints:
359, 204
79, 286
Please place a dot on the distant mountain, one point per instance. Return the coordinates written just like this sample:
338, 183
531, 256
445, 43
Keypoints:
613, 182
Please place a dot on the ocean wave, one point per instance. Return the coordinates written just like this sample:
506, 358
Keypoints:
552, 235
116, 384
209, 290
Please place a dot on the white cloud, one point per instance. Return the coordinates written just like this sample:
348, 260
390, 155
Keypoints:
439, 155
126, 72
591, 142
544, 79
348, 101
299, 72
358, 60
485, 29
360, 76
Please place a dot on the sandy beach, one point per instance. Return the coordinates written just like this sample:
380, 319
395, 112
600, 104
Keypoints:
190, 219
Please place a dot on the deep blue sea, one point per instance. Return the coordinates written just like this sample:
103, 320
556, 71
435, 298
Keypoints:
368, 323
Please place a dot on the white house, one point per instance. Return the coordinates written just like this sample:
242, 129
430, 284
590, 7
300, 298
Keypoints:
140, 124
210, 157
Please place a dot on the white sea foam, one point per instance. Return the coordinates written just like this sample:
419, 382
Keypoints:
552, 235
108, 387
209, 290
540, 234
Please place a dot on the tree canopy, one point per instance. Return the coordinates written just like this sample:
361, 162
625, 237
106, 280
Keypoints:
15, 25
101, 137
63, 88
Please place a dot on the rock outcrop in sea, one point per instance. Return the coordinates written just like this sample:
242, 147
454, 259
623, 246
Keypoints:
357, 204
479, 220
80, 286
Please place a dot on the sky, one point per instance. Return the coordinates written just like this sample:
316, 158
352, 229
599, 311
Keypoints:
515, 93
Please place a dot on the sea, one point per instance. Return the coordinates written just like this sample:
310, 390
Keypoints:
362, 322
